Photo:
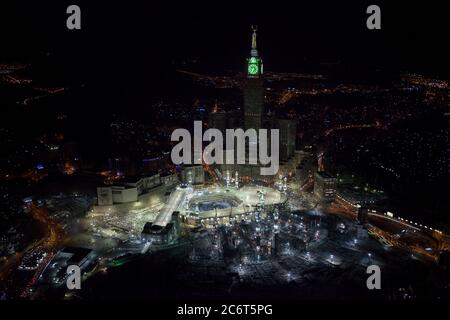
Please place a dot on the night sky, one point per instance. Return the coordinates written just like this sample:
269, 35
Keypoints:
129, 46
412, 35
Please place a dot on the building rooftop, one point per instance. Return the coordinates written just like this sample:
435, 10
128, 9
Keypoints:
151, 228
78, 254
325, 175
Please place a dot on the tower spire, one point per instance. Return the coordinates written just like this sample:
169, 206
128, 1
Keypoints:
254, 29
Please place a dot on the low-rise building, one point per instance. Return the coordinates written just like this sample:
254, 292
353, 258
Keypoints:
325, 186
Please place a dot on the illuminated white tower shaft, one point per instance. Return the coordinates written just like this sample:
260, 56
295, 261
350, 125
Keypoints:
227, 178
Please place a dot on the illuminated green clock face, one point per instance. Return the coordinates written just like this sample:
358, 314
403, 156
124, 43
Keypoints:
252, 69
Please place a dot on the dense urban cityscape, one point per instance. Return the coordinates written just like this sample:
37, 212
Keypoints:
87, 176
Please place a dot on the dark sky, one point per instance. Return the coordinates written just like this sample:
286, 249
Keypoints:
137, 40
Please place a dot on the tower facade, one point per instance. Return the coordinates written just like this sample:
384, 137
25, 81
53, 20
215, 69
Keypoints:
288, 130
253, 105
218, 120
253, 89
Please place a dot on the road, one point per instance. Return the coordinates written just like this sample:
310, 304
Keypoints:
52, 238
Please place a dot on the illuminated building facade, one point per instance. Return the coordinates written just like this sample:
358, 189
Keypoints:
193, 174
253, 89
288, 129
325, 186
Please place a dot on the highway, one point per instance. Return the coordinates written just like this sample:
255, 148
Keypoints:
53, 236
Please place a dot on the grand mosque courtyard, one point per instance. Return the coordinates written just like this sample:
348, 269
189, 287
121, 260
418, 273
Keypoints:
252, 241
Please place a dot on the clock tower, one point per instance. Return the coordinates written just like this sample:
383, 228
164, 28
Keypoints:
253, 88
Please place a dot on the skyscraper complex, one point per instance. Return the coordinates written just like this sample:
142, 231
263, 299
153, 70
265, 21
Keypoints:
255, 116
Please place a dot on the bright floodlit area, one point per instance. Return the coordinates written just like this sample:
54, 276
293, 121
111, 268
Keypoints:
262, 236
220, 201
126, 221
